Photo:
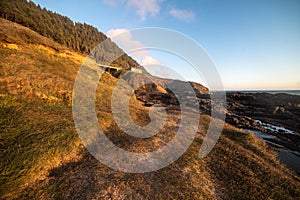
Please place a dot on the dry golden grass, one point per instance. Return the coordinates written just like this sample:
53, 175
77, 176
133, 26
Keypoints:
10, 46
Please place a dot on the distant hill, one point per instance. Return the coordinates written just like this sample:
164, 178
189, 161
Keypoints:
80, 37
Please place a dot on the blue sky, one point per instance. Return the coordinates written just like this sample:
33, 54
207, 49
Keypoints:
255, 44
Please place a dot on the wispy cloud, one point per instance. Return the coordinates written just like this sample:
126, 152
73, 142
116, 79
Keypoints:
124, 39
114, 2
183, 15
143, 8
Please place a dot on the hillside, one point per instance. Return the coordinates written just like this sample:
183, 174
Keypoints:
79, 37
42, 156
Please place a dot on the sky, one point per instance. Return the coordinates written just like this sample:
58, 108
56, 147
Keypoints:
254, 44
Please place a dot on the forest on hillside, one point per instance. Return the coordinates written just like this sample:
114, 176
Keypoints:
80, 37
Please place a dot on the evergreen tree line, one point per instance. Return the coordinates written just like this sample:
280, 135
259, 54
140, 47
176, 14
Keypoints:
77, 36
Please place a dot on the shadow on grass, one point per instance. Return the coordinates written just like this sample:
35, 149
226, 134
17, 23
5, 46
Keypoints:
87, 178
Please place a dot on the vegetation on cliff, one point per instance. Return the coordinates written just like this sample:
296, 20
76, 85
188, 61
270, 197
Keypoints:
79, 37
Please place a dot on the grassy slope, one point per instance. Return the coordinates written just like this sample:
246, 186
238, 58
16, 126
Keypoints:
42, 156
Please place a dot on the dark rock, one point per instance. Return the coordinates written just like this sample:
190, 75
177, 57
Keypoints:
279, 110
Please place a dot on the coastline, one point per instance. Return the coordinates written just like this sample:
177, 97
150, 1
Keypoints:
290, 92
273, 118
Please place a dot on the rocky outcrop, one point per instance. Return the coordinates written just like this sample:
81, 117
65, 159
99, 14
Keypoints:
278, 109
276, 115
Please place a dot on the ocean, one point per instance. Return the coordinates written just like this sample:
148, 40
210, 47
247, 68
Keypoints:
292, 92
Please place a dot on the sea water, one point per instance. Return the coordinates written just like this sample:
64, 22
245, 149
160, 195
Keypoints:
292, 92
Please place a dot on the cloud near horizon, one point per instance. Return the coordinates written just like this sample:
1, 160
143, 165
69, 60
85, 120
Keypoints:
124, 39
182, 15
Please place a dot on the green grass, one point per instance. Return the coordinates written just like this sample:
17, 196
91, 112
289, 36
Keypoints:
34, 137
